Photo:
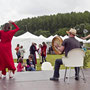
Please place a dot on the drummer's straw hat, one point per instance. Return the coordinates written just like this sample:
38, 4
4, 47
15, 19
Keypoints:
72, 31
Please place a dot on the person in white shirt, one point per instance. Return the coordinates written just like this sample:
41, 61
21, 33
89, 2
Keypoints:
22, 51
39, 51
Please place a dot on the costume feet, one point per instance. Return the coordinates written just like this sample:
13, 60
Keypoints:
10, 77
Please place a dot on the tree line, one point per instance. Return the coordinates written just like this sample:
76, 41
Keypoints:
56, 24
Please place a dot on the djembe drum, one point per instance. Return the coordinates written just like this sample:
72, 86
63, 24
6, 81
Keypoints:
57, 42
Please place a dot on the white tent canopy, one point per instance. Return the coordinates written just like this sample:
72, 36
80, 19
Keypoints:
65, 37
25, 40
49, 39
42, 37
27, 35
88, 41
80, 40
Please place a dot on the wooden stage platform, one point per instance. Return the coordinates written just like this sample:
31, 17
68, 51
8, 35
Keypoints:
39, 80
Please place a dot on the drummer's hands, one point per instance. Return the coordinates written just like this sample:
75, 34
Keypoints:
59, 49
56, 45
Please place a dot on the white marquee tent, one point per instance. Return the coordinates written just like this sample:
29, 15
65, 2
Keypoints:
25, 40
27, 35
42, 37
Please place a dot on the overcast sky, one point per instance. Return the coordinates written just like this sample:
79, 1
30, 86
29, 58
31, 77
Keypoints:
19, 9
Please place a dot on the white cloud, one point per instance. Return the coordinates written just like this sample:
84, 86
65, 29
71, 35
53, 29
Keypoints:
18, 9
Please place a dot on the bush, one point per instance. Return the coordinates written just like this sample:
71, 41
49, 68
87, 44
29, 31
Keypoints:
86, 59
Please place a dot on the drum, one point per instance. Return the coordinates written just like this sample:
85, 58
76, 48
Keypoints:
57, 42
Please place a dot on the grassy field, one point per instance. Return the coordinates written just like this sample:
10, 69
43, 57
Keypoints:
51, 59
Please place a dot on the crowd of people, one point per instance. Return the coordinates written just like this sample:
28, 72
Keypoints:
30, 64
19, 52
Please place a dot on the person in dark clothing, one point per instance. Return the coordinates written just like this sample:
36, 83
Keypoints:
50, 50
32, 51
67, 45
30, 65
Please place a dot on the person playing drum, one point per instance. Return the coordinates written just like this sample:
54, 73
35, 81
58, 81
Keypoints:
67, 45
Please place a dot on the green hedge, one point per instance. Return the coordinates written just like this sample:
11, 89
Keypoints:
87, 58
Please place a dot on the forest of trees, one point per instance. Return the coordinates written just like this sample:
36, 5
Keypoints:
55, 24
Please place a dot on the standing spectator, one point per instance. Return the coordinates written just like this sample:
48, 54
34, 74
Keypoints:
32, 51
35, 45
22, 51
30, 65
17, 52
43, 52
39, 51
6, 58
50, 50
20, 66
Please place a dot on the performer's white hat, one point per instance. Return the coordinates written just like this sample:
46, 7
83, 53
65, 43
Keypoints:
72, 31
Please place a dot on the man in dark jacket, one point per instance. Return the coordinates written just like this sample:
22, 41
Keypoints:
30, 65
32, 51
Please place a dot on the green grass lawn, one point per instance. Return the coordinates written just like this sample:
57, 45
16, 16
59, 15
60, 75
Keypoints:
51, 59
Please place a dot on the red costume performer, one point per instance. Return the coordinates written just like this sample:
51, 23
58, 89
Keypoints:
6, 59
43, 52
